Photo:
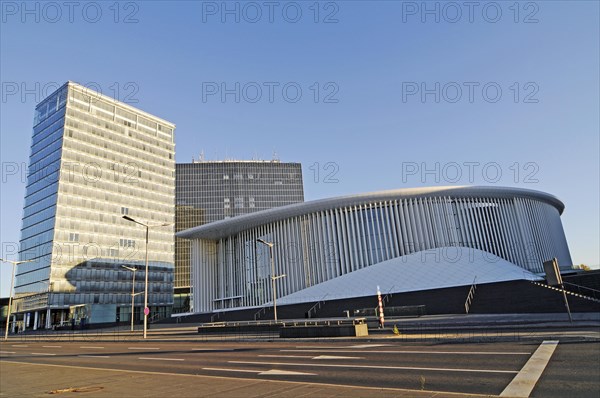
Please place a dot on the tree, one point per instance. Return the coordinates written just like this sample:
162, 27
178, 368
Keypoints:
582, 267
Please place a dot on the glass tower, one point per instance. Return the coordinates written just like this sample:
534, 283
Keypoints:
208, 191
93, 160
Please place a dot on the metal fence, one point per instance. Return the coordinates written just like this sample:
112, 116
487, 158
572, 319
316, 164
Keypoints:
114, 334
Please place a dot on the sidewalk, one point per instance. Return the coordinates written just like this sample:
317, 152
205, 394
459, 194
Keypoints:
118, 383
457, 328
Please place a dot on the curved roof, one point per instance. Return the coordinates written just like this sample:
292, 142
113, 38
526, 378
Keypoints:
450, 267
222, 228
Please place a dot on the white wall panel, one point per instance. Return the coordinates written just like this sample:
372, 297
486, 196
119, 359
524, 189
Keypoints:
326, 244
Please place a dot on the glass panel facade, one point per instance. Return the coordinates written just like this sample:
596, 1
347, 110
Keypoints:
208, 191
86, 166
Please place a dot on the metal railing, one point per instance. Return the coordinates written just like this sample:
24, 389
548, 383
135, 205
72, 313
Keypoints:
585, 291
388, 295
569, 292
470, 296
114, 334
216, 316
263, 310
406, 310
316, 307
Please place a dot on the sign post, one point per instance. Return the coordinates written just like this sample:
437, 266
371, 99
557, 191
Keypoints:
381, 318
553, 278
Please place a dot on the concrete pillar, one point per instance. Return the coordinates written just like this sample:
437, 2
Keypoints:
35, 320
14, 324
48, 319
62, 317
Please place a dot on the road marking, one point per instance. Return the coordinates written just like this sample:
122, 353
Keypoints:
286, 356
52, 346
272, 372
7, 352
417, 352
277, 372
354, 388
91, 346
309, 356
162, 359
41, 353
233, 370
20, 345
213, 349
345, 346
376, 367
93, 356
525, 380
143, 348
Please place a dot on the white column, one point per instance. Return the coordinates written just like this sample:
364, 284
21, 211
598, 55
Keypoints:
14, 323
48, 319
62, 317
35, 320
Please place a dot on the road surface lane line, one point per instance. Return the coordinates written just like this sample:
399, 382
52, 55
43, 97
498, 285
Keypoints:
143, 348
416, 352
161, 359
524, 382
278, 372
323, 347
375, 367
52, 346
42, 353
202, 376
286, 356
213, 349
271, 372
91, 346
93, 356
233, 370
7, 352
20, 345
335, 357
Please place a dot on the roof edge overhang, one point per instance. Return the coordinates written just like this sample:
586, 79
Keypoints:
231, 226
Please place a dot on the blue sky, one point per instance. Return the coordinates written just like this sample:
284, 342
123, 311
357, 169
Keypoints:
527, 114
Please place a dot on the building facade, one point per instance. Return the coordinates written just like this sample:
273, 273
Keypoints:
349, 239
93, 160
209, 191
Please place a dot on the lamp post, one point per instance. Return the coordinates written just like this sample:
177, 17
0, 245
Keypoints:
146, 309
12, 284
133, 293
273, 277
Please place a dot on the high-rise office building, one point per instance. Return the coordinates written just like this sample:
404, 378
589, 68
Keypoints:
208, 191
92, 161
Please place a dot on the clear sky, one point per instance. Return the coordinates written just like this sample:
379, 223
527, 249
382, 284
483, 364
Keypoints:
367, 95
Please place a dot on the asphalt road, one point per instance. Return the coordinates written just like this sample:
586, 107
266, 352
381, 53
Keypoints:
572, 369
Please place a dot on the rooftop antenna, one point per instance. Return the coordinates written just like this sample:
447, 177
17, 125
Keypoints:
275, 157
202, 155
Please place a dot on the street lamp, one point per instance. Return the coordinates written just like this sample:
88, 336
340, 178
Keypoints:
133, 293
146, 309
273, 277
12, 284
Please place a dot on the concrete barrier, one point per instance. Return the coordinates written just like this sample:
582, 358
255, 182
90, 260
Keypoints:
357, 328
